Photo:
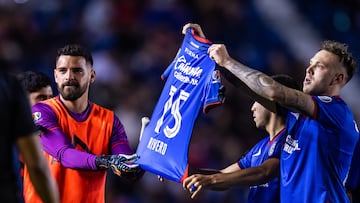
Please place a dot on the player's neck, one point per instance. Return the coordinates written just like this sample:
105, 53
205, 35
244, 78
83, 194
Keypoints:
77, 106
275, 126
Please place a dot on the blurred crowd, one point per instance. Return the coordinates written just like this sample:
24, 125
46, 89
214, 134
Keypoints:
133, 41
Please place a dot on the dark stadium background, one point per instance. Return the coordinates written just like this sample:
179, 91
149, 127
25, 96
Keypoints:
133, 41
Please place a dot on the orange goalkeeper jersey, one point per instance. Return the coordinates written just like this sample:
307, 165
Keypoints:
91, 135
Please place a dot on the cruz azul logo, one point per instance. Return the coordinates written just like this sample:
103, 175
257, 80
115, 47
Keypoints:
291, 145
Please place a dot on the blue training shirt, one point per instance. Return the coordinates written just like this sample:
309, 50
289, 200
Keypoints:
263, 150
316, 157
192, 84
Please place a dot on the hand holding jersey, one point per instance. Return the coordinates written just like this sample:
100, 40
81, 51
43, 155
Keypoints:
192, 84
120, 164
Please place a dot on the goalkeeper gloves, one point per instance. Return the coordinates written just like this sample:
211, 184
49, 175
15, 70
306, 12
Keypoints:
121, 164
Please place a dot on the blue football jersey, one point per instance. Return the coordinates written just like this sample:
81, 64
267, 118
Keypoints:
353, 179
263, 150
317, 153
192, 84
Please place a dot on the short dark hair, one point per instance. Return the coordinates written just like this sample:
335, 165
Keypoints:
345, 57
33, 81
75, 50
286, 80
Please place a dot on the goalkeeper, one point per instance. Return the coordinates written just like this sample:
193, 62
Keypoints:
81, 139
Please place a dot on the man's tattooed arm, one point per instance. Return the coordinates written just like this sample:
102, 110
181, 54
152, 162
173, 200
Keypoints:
267, 88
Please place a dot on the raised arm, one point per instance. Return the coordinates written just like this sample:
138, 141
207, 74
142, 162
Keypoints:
263, 85
256, 84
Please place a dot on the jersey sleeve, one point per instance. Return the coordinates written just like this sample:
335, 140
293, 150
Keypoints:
55, 142
327, 111
246, 160
119, 142
44, 117
59, 146
214, 92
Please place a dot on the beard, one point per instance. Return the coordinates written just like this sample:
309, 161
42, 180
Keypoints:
71, 92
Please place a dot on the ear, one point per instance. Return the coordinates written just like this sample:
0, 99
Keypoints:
92, 75
339, 78
55, 76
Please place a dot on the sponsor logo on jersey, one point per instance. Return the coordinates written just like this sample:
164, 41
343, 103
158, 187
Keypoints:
191, 53
325, 99
36, 116
183, 66
291, 145
186, 73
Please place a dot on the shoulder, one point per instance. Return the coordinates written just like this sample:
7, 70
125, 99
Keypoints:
101, 108
329, 109
327, 100
333, 104
263, 141
259, 145
42, 110
42, 106
104, 113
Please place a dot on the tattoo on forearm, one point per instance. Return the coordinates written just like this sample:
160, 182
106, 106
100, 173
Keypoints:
256, 80
295, 101
266, 87
299, 101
